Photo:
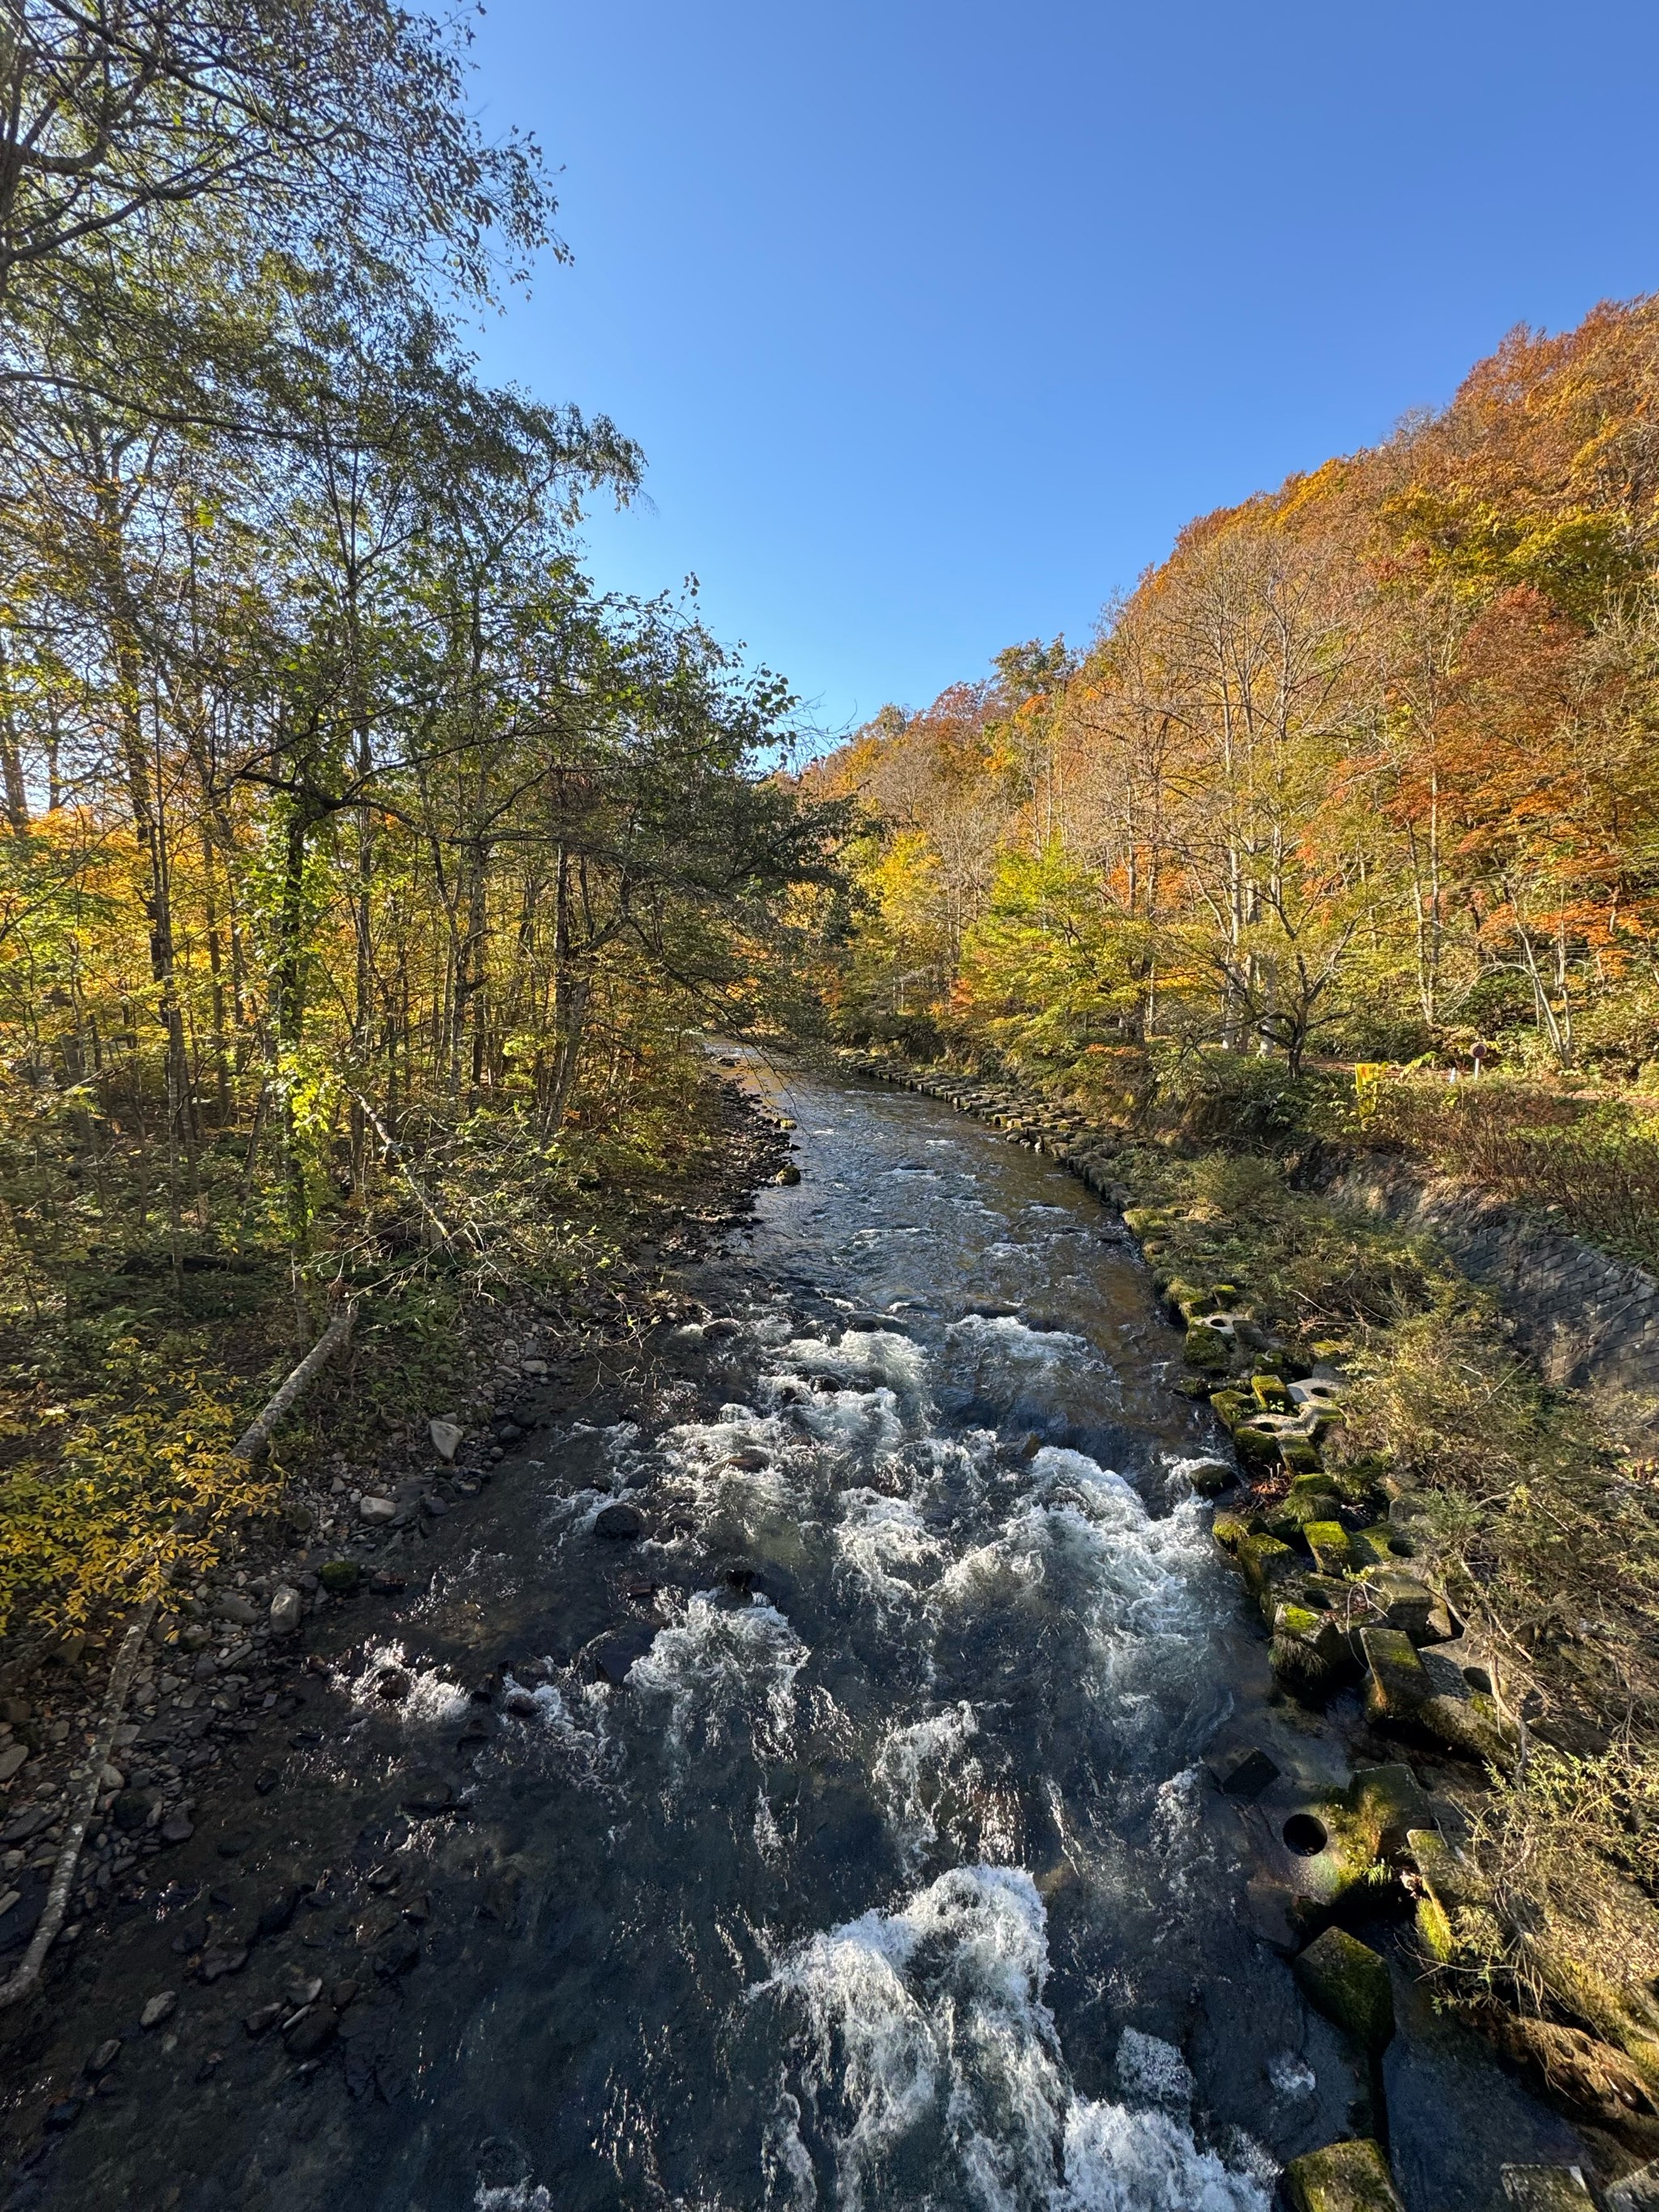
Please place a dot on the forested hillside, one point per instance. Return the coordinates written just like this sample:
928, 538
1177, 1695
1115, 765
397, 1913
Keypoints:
1365, 769
361, 864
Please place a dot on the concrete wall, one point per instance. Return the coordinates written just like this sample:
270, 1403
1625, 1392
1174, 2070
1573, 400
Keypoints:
1584, 1318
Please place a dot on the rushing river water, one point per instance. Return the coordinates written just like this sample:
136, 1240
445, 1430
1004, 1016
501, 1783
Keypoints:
890, 1875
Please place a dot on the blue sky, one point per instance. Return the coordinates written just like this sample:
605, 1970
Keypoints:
936, 322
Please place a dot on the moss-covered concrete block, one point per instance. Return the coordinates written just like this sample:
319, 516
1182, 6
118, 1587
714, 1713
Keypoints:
1299, 1454
1345, 2177
1404, 1602
1265, 1561
1232, 1406
1260, 1447
1546, 2189
1230, 1529
1270, 1393
1394, 1805
1349, 1982
1144, 1221
1399, 1687
1374, 1546
1309, 1653
1292, 1515
1328, 1542
1208, 1349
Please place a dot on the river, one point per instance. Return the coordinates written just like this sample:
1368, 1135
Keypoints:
890, 1874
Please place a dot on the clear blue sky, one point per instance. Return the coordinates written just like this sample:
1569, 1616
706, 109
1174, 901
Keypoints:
936, 322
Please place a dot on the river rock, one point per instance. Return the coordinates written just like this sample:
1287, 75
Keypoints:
229, 1959
339, 1577
288, 1610
13, 1758
398, 1950
1344, 2177
176, 1828
426, 1794
376, 1511
1349, 1982
446, 1436
159, 2007
613, 1655
619, 1523
233, 1606
310, 2033
393, 1683
103, 2058
131, 1809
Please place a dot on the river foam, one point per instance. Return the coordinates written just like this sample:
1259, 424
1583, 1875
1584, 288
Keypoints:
932, 2064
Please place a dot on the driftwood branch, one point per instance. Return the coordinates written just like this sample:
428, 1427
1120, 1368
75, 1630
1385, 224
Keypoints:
84, 1786
254, 1439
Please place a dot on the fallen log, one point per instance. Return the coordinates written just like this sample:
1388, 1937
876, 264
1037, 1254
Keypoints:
254, 1439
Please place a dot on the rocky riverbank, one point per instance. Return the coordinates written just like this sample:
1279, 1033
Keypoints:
231, 1656
1331, 1545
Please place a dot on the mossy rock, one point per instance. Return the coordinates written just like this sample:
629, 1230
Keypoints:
1270, 1393
339, 1577
1206, 1348
1230, 1529
1189, 1299
1328, 1542
1226, 1294
1344, 2177
1144, 1221
1232, 1406
1309, 1653
1300, 1456
1265, 1561
1259, 1446
1349, 1982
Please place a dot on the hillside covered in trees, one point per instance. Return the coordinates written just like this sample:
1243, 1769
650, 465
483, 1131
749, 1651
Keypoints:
1365, 769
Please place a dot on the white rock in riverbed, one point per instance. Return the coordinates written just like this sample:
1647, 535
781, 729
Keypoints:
373, 1509
287, 1610
158, 2009
446, 1436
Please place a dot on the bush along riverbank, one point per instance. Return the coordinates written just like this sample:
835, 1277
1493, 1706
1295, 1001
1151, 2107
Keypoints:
1457, 1567
352, 1513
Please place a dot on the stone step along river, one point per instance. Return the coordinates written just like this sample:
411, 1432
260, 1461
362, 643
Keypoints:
851, 1837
